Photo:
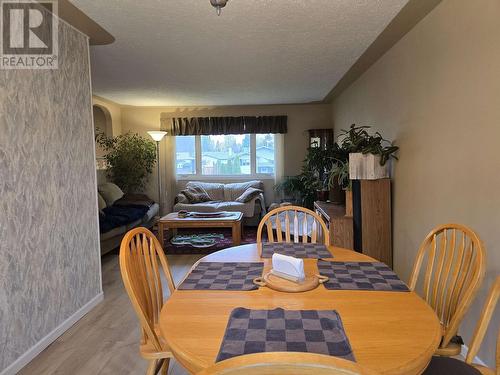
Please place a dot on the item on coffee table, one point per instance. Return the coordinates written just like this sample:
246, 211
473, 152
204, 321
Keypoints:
208, 214
182, 214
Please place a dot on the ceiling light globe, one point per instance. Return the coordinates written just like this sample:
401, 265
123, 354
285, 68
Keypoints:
218, 5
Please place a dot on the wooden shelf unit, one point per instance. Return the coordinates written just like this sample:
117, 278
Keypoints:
340, 225
369, 229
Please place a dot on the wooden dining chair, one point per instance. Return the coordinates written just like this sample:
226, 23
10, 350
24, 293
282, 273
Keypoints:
311, 225
446, 365
455, 269
286, 363
141, 257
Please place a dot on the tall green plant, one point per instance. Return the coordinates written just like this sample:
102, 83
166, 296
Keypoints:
302, 188
130, 159
314, 176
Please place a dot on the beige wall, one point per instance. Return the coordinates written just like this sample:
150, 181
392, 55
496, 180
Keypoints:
300, 118
113, 112
436, 92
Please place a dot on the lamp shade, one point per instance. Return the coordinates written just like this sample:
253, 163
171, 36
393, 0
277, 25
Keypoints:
157, 135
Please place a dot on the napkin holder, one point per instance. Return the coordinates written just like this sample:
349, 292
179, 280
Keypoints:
288, 268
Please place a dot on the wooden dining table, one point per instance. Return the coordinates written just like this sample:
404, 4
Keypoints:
390, 332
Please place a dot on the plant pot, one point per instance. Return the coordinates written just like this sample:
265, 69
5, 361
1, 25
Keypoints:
337, 194
348, 203
322, 195
367, 167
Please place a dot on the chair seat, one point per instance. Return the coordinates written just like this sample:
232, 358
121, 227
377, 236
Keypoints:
449, 366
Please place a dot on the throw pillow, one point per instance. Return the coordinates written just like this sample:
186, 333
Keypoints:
248, 195
110, 192
101, 203
196, 194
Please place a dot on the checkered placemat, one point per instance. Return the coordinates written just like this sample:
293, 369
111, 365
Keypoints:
297, 250
360, 276
311, 331
223, 276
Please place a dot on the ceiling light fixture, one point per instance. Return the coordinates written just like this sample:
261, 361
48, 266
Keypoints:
218, 5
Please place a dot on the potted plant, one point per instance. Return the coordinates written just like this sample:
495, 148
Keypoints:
337, 180
130, 159
368, 153
301, 188
313, 182
339, 175
317, 163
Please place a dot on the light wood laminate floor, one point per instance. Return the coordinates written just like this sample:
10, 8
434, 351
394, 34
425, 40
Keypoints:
106, 340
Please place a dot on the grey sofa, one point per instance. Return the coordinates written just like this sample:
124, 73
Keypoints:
224, 199
108, 195
112, 239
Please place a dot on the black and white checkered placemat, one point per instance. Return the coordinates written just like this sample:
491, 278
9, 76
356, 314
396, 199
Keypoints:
297, 250
311, 331
360, 276
223, 276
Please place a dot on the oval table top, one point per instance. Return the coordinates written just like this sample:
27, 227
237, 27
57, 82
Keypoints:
390, 332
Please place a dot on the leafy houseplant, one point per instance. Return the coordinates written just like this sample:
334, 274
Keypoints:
364, 156
130, 159
358, 140
317, 163
329, 168
313, 182
302, 188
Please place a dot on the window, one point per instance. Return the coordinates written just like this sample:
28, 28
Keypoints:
185, 155
265, 153
225, 155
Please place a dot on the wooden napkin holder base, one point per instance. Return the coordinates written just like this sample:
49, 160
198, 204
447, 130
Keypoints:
281, 284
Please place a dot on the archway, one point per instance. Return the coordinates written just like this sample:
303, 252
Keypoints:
102, 123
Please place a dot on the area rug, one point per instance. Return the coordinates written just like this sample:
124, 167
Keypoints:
249, 236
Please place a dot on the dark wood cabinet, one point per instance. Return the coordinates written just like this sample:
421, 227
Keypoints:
369, 229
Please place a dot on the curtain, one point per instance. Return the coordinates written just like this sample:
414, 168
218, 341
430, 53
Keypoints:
279, 162
229, 125
167, 169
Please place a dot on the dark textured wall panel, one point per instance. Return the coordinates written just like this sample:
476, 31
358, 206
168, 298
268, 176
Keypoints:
49, 248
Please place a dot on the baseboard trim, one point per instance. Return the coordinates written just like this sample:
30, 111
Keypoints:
27, 357
476, 360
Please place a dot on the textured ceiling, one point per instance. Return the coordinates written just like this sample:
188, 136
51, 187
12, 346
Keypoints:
179, 53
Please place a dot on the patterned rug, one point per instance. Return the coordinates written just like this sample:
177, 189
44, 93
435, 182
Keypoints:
249, 236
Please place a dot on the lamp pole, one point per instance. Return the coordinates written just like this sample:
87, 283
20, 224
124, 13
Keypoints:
158, 136
158, 174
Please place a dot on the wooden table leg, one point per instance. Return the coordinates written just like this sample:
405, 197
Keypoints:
160, 233
237, 233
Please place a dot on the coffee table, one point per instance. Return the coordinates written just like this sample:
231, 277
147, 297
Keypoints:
229, 220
